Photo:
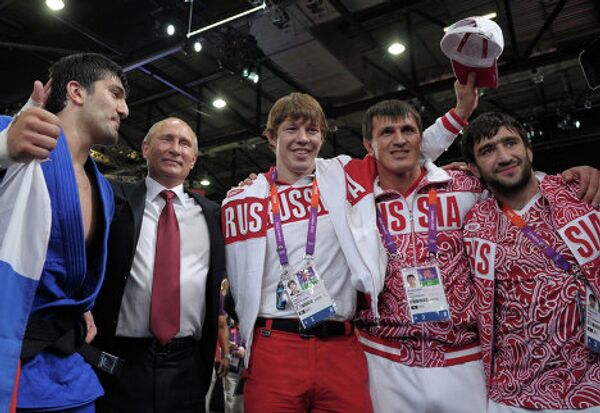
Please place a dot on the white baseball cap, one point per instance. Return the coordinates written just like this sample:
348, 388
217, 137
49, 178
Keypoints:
474, 45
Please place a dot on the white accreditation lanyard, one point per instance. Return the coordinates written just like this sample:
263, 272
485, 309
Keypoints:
423, 284
302, 283
591, 312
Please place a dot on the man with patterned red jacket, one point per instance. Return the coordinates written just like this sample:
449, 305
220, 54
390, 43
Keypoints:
534, 249
423, 351
422, 348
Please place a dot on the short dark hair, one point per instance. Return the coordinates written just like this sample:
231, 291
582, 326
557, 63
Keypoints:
486, 126
85, 68
392, 108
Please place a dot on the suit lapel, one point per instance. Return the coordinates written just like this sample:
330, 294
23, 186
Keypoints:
136, 197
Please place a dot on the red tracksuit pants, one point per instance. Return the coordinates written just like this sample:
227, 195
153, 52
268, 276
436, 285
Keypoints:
292, 374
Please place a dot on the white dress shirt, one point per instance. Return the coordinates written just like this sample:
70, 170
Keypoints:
134, 315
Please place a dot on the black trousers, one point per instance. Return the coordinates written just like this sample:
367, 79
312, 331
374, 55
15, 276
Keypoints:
155, 378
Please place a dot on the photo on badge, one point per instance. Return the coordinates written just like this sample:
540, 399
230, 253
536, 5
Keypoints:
293, 287
411, 281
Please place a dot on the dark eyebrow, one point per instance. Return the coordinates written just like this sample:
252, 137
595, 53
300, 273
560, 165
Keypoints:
486, 146
386, 129
119, 89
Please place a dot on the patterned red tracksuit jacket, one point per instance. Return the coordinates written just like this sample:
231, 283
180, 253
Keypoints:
396, 337
528, 313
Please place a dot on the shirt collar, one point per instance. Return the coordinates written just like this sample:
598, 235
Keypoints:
307, 180
153, 189
431, 173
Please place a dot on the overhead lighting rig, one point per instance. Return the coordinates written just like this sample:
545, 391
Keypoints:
190, 33
165, 24
240, 54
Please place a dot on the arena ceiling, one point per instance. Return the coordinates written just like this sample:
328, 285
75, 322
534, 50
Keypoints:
335, 50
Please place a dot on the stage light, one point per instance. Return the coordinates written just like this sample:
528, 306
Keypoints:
396, 48
568, 123
192, 46
280, 18
55, 4
253, 77
219, 103
533, 129
250, 75
205, 182
170, 29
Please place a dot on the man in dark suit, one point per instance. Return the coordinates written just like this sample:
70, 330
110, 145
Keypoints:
159, 303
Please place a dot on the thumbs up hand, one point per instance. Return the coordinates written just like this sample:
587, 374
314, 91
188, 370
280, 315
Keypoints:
34, 131
40, 94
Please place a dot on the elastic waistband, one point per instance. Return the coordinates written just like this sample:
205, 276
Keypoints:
322, 330
392, 350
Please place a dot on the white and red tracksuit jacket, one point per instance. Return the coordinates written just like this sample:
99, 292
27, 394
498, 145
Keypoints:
395, 336
529, 320
246, 216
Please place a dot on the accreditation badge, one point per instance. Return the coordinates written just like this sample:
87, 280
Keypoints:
592, 321
308, 295
425, 293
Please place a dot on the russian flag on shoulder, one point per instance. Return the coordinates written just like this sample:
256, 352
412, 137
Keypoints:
25, 220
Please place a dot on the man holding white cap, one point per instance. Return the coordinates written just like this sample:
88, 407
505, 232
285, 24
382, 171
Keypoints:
474, 45
422, 344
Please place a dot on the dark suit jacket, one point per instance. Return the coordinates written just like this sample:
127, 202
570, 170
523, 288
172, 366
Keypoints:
122, 242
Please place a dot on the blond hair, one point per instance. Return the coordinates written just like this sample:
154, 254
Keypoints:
296, 106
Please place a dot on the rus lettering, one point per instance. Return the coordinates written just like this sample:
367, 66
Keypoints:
481, 255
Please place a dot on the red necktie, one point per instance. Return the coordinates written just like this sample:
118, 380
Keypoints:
164, 307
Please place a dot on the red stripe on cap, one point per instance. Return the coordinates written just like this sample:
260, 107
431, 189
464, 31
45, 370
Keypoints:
462, 42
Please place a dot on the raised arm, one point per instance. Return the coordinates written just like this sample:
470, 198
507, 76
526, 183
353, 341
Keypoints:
439, 136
